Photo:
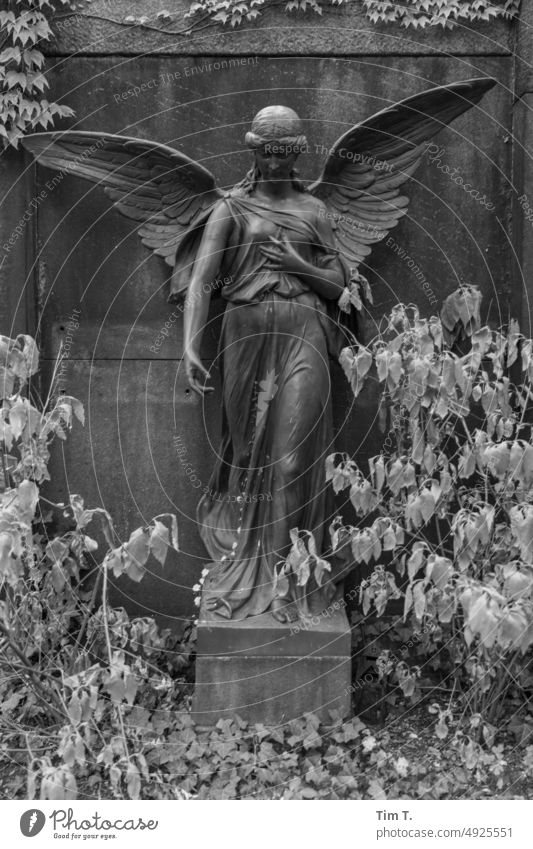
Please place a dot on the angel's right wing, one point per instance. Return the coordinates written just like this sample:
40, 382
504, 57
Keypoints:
168, 194
368, 166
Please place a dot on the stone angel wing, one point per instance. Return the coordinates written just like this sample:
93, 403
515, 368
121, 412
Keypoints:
368, 166
168, 194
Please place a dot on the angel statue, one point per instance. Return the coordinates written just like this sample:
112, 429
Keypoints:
285, 254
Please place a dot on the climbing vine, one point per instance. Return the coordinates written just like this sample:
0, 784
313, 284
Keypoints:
446, 507
23, 104
445, 13
416, 13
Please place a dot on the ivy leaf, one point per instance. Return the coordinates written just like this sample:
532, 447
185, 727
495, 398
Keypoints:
482, 620
303, 572
395, 475
356, 367
438, 570
114, 561
377, 472
130, 687
448, 373
375, 789
10, 53
418, 446
460, 313
446, 607
114, 684
18, 414
15, 78
74, 709
58, 577
27, 498
388, 541
441, 729
135, 553
467, 463
159, 541
511, 629
429, 459
419, 598
517, 583
321, 570
416, 560
10, 566
521, 516
133, 781
382, 364
76, 407
408, 601
427, 504
350, 297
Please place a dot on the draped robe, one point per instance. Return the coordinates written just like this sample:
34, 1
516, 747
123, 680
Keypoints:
269, 476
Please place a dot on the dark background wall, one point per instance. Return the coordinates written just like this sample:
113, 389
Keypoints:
80, 255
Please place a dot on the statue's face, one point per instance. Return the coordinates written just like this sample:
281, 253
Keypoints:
275, 161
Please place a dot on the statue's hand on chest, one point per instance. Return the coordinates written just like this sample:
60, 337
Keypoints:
284, 256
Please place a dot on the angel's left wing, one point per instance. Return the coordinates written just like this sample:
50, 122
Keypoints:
368, 165
169, 195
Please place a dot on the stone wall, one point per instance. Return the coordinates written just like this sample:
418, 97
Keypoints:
89, 281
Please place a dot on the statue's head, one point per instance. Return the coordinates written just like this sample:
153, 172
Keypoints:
277, 125
277, 138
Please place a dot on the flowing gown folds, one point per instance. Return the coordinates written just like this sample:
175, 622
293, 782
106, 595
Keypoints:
269, 476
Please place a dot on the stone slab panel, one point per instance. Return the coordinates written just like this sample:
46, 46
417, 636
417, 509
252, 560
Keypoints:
270, 690
268, 672
17, 235
327, 633
125, 459
92, 260
342, 30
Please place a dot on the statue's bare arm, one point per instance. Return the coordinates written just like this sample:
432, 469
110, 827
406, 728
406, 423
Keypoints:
206, 269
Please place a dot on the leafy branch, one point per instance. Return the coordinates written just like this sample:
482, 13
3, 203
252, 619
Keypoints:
23, 105
446, 507
415, 13
444, 13
26, 24
71, 665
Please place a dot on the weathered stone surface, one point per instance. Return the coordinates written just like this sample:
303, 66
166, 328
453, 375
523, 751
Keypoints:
520, 219
18, 273
326, 633
90, 255
341, 30
270, 673
92, 261
125, 459
523, 54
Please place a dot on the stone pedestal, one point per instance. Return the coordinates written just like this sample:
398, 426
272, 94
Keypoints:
270, 673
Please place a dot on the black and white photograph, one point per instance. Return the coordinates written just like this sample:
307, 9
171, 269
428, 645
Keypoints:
266, 422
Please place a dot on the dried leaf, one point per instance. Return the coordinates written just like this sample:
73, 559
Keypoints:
159, 541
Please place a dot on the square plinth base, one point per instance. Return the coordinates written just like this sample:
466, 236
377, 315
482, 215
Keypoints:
267, 672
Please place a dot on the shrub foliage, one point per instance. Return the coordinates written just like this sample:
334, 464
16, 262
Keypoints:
99, 701
71, 665
446, 508
27, 24
23, 105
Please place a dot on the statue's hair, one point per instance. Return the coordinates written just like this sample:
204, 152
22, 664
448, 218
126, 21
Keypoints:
279, 126
248, 184
297, 143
